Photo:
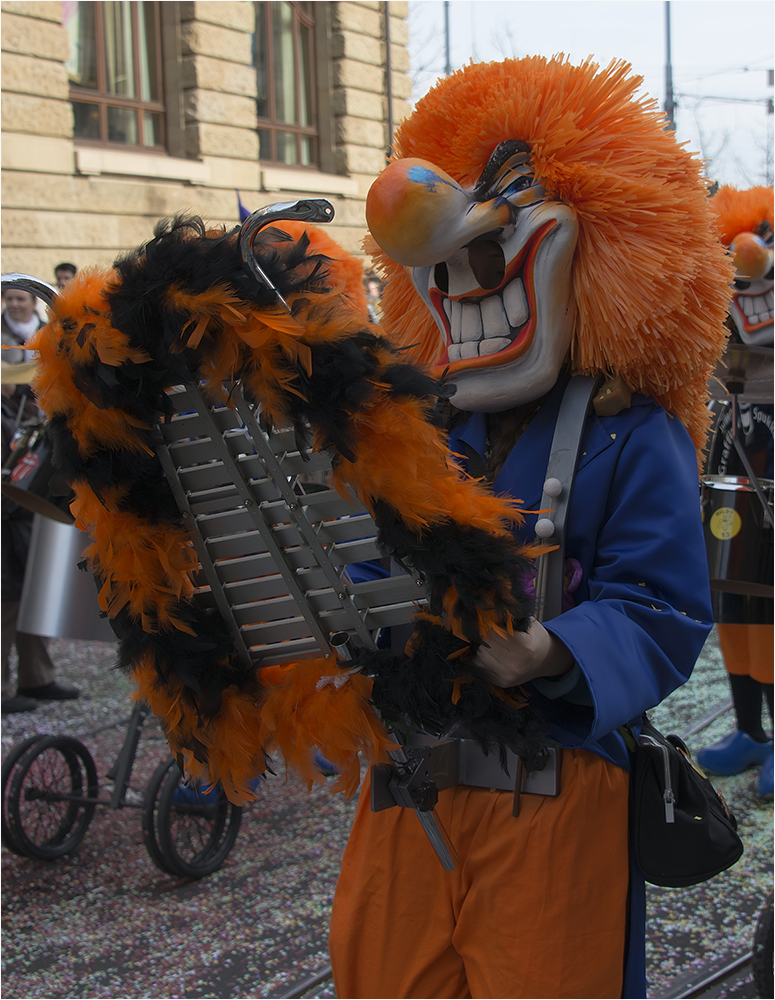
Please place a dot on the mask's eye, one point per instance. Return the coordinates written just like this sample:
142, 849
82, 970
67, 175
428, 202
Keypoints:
441, 277
520, 184
741, 285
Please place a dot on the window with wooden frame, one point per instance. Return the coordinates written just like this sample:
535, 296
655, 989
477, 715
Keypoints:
284, 56
115, 72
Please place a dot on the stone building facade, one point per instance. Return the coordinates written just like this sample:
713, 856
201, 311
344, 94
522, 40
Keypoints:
69, 194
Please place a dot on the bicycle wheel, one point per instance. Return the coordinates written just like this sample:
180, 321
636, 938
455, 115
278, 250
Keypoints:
47, 809
196, 830
15, 754
150, 817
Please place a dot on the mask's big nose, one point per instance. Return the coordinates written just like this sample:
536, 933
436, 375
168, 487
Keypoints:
752, 257
420, 216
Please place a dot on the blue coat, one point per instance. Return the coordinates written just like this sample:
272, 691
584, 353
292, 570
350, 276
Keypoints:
643, 607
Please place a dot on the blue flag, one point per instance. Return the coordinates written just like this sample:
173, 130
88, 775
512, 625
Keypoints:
243, 212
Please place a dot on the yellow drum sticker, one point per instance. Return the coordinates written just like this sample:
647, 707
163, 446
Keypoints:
725, 523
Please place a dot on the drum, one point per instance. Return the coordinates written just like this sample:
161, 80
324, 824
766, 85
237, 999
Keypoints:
28, 474
59, 600
739, 545
755, 430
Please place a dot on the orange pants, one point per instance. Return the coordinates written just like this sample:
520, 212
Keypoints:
748, 650
537, 907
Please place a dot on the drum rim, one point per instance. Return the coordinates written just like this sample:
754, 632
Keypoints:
734, 483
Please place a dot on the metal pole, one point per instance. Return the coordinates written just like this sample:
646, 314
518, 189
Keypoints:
669, 102
448, 66
388, 80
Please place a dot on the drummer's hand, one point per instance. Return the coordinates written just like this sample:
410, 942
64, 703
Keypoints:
521, 657
8, 390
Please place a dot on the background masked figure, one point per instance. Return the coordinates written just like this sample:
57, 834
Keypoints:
745, 628
538, 222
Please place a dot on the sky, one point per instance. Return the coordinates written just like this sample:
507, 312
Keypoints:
721, 52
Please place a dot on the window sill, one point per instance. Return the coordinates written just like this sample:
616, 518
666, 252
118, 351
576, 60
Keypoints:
310, 181
133, 163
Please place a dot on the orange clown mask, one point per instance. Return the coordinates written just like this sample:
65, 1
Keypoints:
492, 262
537, 213
745, 219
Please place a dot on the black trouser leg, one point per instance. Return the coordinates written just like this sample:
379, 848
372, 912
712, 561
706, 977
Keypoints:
747, 699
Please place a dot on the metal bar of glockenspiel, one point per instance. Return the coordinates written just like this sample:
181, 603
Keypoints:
298, 514
223, 452
208, 567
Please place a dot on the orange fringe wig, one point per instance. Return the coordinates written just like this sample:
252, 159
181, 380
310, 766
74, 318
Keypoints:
741, 211
184, 308
650, 279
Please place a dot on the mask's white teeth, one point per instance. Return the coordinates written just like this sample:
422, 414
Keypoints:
471, 323
493, 344
479, 329
495, 322
454, 321
515, 303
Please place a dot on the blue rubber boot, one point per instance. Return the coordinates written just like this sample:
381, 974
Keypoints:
764, 785
194, 796
734, 754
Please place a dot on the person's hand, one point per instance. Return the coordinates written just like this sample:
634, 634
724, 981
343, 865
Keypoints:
515, 659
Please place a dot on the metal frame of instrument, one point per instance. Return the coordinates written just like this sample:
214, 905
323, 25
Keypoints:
273, 555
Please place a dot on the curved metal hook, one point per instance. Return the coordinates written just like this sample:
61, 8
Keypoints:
26, 283
306, 210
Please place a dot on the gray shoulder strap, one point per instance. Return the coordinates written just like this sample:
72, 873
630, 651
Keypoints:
558, 485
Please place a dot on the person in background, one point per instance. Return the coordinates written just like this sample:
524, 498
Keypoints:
63, 273
35, 669
374, 294
745, 220
19, 322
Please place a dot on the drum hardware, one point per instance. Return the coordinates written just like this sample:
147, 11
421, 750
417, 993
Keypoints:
58, 599
18, 421
29, 478
745, 371
737, 504
18, 374
738, 445
738, 539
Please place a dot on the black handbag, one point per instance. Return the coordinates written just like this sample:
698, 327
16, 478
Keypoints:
683, 831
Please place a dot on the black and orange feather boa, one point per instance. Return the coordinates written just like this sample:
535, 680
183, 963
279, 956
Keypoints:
184, 308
